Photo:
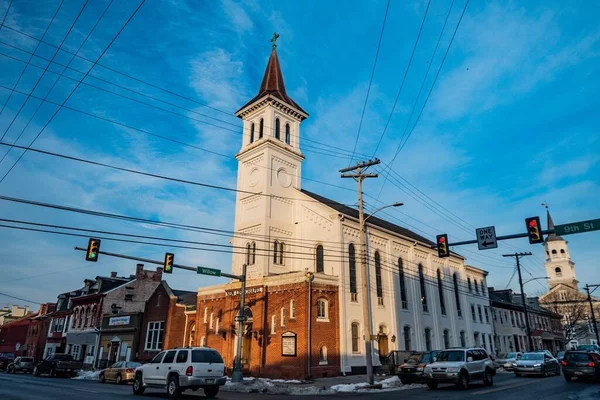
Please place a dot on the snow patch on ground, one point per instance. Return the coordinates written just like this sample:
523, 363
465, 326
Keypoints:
389, 384
88, 375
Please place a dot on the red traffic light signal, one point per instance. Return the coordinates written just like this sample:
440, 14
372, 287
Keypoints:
442, 245
93, 250
534, 231
168, 266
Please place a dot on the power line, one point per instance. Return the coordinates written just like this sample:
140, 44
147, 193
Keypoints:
18, 298
412, 54
362, 115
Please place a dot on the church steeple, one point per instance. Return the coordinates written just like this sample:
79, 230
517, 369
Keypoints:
559, 267
551, 237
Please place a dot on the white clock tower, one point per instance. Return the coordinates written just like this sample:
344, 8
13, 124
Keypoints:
269, 177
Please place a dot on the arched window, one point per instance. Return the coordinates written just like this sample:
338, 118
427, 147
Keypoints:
192, 338
252, 133
558, 271
261, 128
441, 292
203, 341
553, 251
423, 290
323, 356
248, 253
281, 248
378, 282
469, 284
322, 309
446, 339
407, 338
277, 129
320, 267
483, 287
76, 319
352, 272
562, 251
287, 134
403, 296
428, 339
292, 309
278, 248
457, 295
463, 341
273, 324
476, 286
282, 317
355, 337
253, 253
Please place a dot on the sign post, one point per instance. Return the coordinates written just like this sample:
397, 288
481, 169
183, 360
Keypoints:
577, 227
486, 238
237, 375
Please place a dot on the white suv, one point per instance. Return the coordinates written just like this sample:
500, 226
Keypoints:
182, 369
460, 366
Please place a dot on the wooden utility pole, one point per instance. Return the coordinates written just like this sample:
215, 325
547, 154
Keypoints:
359, 176
517, 256
589, 298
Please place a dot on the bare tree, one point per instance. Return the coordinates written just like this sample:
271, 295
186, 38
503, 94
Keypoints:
573, 307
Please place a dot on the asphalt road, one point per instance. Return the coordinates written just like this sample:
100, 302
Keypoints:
506, 386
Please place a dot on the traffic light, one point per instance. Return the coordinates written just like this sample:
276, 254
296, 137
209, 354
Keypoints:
168, 267
442, 246
93, 250
533, 230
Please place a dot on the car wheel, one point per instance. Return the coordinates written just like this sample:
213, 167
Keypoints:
488, 378
10, 370
518, 375
173, 389
36, 371
463, 381
52, 373
545, 372
568, 378
119, 379
211, 392
138, 385
557, 372
432, 385
102, 378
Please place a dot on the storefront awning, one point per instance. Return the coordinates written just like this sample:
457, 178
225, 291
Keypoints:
88, 338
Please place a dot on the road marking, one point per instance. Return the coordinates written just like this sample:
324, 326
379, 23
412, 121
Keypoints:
498, 389
87, 391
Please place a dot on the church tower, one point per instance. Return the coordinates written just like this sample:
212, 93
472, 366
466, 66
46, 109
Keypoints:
269, 176
559, 267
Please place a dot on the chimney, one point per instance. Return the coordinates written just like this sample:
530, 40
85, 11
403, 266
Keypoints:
158, 275
113, 274
139, 271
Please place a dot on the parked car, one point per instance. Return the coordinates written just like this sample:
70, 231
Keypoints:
589, 347
5, 359
20, 364
57, 364
461, 367
122, 371
509, 360
581, 365
560, 356
412, 370
538, 363
181, 369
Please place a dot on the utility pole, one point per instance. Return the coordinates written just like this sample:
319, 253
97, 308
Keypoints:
359, 176
237, 375
589, 297
517, 256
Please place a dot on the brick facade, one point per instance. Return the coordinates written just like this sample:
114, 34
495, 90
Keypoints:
38, 330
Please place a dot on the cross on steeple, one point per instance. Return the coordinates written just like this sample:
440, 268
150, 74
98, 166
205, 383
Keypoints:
545, 204
274, 39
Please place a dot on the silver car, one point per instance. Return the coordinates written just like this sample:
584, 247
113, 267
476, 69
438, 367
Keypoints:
539, 363
508, 361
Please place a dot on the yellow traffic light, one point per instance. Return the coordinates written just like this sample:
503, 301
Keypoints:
93, 250
168, 266
442, 246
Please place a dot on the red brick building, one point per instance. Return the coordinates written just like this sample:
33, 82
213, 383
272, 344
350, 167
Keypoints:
37, 332
13, 335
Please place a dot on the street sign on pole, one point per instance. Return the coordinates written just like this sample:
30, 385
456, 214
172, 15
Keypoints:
577, 227
486, 238
209, 271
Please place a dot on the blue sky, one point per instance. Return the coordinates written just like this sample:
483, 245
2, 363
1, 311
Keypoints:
512, 121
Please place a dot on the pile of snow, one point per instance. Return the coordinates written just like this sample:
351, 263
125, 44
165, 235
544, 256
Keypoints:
88, 375
385, 385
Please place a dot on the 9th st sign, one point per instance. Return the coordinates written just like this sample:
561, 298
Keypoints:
577, 227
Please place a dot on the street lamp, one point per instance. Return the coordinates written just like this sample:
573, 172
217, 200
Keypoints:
535, 279
366, 293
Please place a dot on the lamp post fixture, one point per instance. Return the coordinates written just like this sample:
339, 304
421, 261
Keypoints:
535, 279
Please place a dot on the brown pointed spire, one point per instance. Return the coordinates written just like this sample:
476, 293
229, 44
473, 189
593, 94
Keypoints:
272, 83
551, 237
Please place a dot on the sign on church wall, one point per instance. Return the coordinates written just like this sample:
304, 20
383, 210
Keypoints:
288, 344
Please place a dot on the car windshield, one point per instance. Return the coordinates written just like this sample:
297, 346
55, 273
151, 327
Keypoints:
511, 355
577, 357
533, 356
587, 347
456, 355
206, 356
7, 355
63, 357
133, 364
428, 357
414, 358
26, 359
560, 354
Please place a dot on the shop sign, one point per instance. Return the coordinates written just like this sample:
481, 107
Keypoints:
116, 321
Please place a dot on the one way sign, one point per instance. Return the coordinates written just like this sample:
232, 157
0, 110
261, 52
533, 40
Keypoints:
486, 238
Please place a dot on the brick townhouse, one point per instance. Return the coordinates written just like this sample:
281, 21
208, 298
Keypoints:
60, 320
13, 335
38, 330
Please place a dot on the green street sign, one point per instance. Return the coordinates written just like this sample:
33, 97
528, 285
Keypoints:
209, 271
577, 227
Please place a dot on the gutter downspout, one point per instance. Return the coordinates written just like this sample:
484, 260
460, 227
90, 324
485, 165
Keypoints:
309, 277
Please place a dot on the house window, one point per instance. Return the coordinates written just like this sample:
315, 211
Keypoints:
203, 341
423, 291
483, 341
210, 325
469, 284
562, 251
277, 129
218, 324
446, 339
378, 282
476, 338
320, 259
480, 314
441, 292
457, 295
512, 318
282, 317
75, 349
292, 309
558, 272
403, 296
487, 315
287, 134
261, 128
205, 315
323, 356
250, 253
352, 271
476, 286
355, 333
553, 251
428, 339
407, 338
192, 339
154, 335
252, 133
278, 248
463, 341
483, 288
473, 313
273, 324
322, 310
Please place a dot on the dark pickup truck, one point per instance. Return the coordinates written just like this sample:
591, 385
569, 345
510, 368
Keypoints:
58, 364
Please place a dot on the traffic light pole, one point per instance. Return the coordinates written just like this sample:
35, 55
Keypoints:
237, 375
589, 298
517, 256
